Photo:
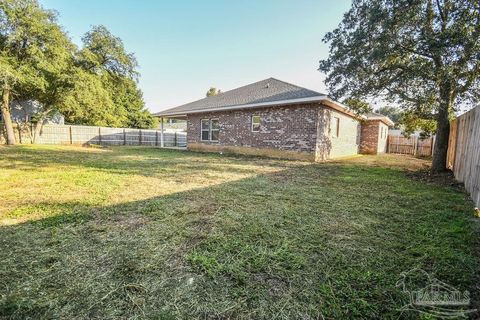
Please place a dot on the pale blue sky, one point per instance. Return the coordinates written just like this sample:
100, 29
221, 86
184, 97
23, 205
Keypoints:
185, 47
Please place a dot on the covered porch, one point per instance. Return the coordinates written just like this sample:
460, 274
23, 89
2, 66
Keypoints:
173, 131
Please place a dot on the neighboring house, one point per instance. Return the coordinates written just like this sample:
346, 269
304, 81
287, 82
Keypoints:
23, 111
279, 119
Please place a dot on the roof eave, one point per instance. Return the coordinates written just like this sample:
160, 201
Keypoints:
384, 119
323, 99
342, 108
244, 106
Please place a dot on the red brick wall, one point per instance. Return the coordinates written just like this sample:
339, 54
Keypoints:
290, 128
369, 137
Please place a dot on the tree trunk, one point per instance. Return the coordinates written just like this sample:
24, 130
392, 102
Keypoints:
439, 161
37, 130
7, 119
38, 125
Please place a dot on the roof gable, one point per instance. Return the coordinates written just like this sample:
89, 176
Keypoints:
262, 92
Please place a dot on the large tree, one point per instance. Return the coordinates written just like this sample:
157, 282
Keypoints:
103, 56
8, 78
36, 58
95, 85
421, 54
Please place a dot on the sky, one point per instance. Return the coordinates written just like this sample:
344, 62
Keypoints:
185, 47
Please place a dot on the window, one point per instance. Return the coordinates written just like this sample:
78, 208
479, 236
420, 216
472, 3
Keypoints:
210, 129
335, 127
214, 129
256, 123
205, 129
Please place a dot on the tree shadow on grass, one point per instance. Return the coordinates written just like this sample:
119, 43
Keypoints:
309, 241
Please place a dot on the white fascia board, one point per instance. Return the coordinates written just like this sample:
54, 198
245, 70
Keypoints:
384, 119
178, 115
343, 108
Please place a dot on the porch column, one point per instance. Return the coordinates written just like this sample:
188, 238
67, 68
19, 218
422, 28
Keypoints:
162, 144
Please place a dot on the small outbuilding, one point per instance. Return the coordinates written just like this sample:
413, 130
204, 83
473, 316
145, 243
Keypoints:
374, 135
278, 119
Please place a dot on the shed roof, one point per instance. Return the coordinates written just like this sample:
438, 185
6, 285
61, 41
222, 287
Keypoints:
380, 117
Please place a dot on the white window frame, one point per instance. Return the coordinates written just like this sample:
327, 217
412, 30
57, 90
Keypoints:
336, 133
202, 130
259, 122
209, 130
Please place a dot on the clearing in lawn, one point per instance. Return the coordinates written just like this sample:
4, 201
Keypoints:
148, 233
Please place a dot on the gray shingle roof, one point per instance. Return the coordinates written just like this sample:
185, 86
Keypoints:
268, 90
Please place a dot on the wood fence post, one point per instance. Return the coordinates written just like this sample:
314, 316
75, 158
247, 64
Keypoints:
431, 146
124, 137
175, 139
140, 136
156, 138
71, 134
415, 144
99, 135
162, 142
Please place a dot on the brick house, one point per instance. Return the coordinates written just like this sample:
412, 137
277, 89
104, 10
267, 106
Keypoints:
279, 119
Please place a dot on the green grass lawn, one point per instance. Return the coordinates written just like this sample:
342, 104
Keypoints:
160, 234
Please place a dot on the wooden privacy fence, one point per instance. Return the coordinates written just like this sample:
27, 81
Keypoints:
411, 145
464, 151
66, 134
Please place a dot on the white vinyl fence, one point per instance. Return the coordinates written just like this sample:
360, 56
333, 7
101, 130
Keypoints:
66, 134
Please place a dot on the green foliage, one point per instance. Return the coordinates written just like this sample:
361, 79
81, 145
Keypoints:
8, 75
89, 102
104, 53
95, 85
97, 100
422, 55
36, 47
406, 51
358, 106
392, 112
114, 98
412, 122
213, 92
128, 99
